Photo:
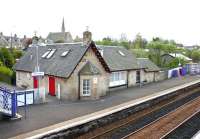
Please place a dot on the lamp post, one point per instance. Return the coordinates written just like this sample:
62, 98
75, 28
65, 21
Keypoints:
37, 72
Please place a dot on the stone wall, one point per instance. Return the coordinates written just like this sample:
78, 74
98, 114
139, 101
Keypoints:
149, 77
131, 78
161, 75
24, 79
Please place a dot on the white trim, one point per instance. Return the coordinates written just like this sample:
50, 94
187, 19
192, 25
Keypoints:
117, 83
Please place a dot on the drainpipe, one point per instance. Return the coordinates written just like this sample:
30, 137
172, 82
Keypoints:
79, 82
127, 77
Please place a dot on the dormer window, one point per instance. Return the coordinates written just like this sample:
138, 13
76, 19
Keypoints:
121, 53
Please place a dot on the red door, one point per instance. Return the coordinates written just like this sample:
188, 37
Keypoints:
35, 82
52, 86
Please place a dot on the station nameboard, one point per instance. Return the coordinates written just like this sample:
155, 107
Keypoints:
38, 74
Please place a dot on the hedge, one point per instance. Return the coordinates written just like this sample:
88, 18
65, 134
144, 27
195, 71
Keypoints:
6, 74
6, 71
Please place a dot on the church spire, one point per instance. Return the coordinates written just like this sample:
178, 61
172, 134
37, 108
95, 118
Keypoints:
63, 26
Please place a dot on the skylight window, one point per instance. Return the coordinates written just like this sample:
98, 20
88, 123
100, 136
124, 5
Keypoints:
65, 53
121, 53
51, 53
46, 53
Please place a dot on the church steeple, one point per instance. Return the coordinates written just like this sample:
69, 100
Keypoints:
63, 26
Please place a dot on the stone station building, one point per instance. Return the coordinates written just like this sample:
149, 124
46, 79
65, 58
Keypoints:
80, 70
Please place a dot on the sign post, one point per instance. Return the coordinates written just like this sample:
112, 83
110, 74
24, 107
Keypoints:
38, 75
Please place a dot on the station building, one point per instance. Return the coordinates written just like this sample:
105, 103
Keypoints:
82, 70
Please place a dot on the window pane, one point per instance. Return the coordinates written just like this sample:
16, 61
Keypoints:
86, 86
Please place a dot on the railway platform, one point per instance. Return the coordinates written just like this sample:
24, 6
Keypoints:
54, 116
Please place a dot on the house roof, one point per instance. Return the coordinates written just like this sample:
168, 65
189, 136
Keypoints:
118, 58
180, 56
147, 64
56, 65
113, 59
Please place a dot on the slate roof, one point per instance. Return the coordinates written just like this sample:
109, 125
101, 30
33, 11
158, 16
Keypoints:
147, 64
56, 65
64, 66
116, 61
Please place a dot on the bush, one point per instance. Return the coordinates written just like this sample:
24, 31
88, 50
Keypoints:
6, 57
17, 53
175, 63
6, 75
6, 71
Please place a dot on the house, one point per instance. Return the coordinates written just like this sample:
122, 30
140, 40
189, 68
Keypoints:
167, 58
149, 70
3, 41
10, 41
79, 70
60, 37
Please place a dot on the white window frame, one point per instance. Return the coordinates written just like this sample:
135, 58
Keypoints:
117, 78
86, 88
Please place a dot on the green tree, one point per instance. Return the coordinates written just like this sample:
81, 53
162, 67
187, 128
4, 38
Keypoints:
158, 47
195, 55
125, 44
16, 53
138, 42
6, 71
1, 63
6, 57
175, 63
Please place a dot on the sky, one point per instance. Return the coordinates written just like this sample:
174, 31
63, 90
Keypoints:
169, 19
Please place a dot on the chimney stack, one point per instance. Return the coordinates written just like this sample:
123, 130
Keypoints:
87, 37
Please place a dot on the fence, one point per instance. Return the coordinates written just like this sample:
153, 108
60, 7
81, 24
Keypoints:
8, 102
25, 97
32, 96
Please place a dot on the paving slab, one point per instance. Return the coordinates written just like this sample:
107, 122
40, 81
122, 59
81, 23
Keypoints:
40, 116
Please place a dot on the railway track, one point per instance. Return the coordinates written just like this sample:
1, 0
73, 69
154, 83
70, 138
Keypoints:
163, 126
141, 119
187, 129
